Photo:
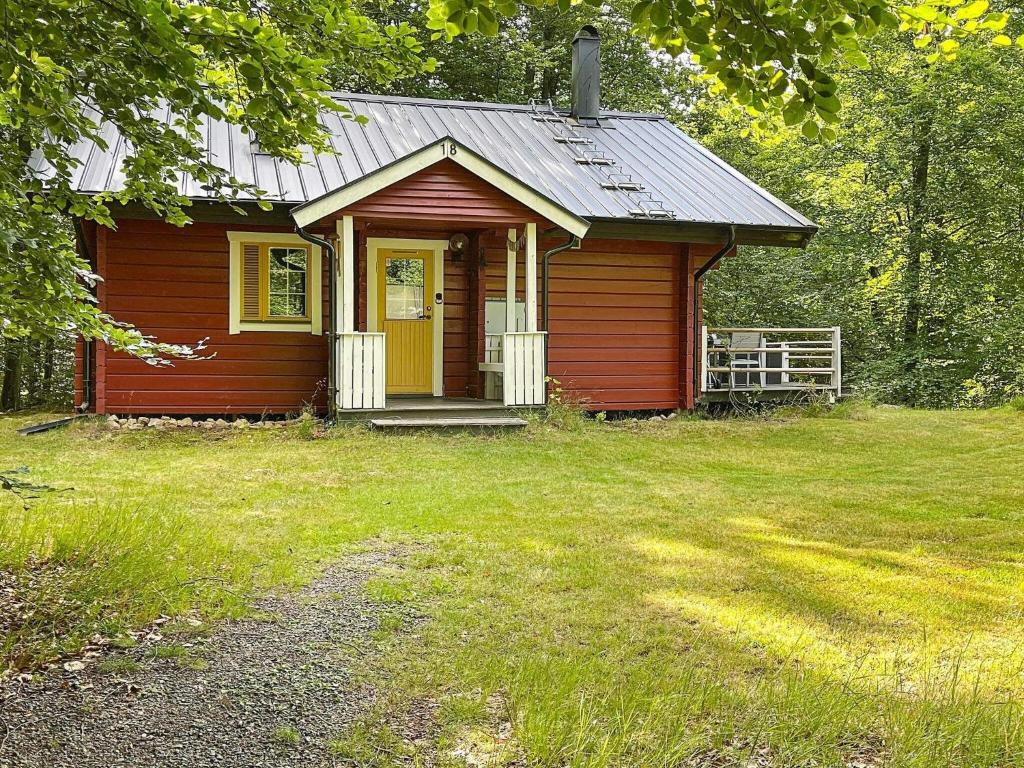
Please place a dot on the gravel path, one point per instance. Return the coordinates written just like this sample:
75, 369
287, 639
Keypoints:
286, 669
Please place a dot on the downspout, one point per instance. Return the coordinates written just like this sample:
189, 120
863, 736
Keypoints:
332, 330
697, 277
87, 344
573, 242
86, 405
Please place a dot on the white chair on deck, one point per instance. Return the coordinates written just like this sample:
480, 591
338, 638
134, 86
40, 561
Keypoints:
746, 340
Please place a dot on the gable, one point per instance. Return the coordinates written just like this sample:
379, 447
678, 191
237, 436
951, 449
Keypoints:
451, 152
443, 191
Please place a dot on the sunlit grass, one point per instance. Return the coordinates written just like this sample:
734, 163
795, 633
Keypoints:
809, 591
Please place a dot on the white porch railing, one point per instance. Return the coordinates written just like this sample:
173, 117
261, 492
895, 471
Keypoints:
771, 359
519, 358
360, 376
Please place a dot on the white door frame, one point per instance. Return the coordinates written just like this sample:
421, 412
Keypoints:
375, 244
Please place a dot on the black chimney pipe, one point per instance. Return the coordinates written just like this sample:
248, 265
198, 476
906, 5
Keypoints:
586, 75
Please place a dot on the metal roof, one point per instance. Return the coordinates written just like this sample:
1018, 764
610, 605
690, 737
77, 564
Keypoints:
695, 184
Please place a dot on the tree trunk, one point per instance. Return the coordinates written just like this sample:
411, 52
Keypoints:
916, 240
47, 388
549, 76
30, 373
11, 388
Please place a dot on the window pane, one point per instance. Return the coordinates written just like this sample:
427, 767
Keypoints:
404, 289
287, 282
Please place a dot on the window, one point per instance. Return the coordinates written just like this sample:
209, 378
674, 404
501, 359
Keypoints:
404, 289
274, 283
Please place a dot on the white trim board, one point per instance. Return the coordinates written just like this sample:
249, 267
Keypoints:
373, 325
447, 148
235, 323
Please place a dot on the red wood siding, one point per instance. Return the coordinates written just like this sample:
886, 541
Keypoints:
614, 320
621, 316
456, 327
444, 193
102, 297
173, 283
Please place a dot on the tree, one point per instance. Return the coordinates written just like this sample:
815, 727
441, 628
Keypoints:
919, 200
530, 58
69, 66
769, 56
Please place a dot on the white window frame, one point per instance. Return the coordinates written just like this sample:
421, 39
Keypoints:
236, 324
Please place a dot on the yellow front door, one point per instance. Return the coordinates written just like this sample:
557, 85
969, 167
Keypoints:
405, 304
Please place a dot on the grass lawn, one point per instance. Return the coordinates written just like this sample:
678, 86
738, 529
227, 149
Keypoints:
810, 591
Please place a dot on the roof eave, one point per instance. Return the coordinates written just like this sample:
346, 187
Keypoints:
670, 230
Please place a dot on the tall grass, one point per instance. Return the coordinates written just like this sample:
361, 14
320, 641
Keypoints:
86, 568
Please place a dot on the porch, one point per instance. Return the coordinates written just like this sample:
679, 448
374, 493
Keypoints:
770, 363
416, 322
407, 244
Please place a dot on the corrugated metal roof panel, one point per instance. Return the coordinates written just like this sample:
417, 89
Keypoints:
688, 179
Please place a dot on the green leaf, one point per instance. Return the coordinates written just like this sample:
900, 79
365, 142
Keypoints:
972, 10
659, 14
1002, 40
829, 103
639, 11
794, 111
488, 21
810, 130
857, 58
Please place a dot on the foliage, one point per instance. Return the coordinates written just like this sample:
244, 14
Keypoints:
565, 410
775, 58
918, 199
709, 592
71, 67
530, 56
36, 373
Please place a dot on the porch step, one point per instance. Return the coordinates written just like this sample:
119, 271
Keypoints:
433, 408
447, 422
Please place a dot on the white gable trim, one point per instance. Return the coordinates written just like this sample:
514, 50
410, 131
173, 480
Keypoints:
341, 198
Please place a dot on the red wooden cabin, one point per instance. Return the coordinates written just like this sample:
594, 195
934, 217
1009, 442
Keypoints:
448, 249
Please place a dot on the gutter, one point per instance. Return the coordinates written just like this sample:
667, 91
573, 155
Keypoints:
697, 277
332, 330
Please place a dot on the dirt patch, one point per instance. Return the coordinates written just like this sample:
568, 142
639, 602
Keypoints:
272, 690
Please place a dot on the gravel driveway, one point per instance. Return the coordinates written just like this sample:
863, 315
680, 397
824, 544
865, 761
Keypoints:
266, 691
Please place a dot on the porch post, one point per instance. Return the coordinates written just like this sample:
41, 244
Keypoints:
510, 283
346, 284
531, 277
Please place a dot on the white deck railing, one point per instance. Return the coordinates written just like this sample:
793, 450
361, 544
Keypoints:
779, 359
360, 380
519, 358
